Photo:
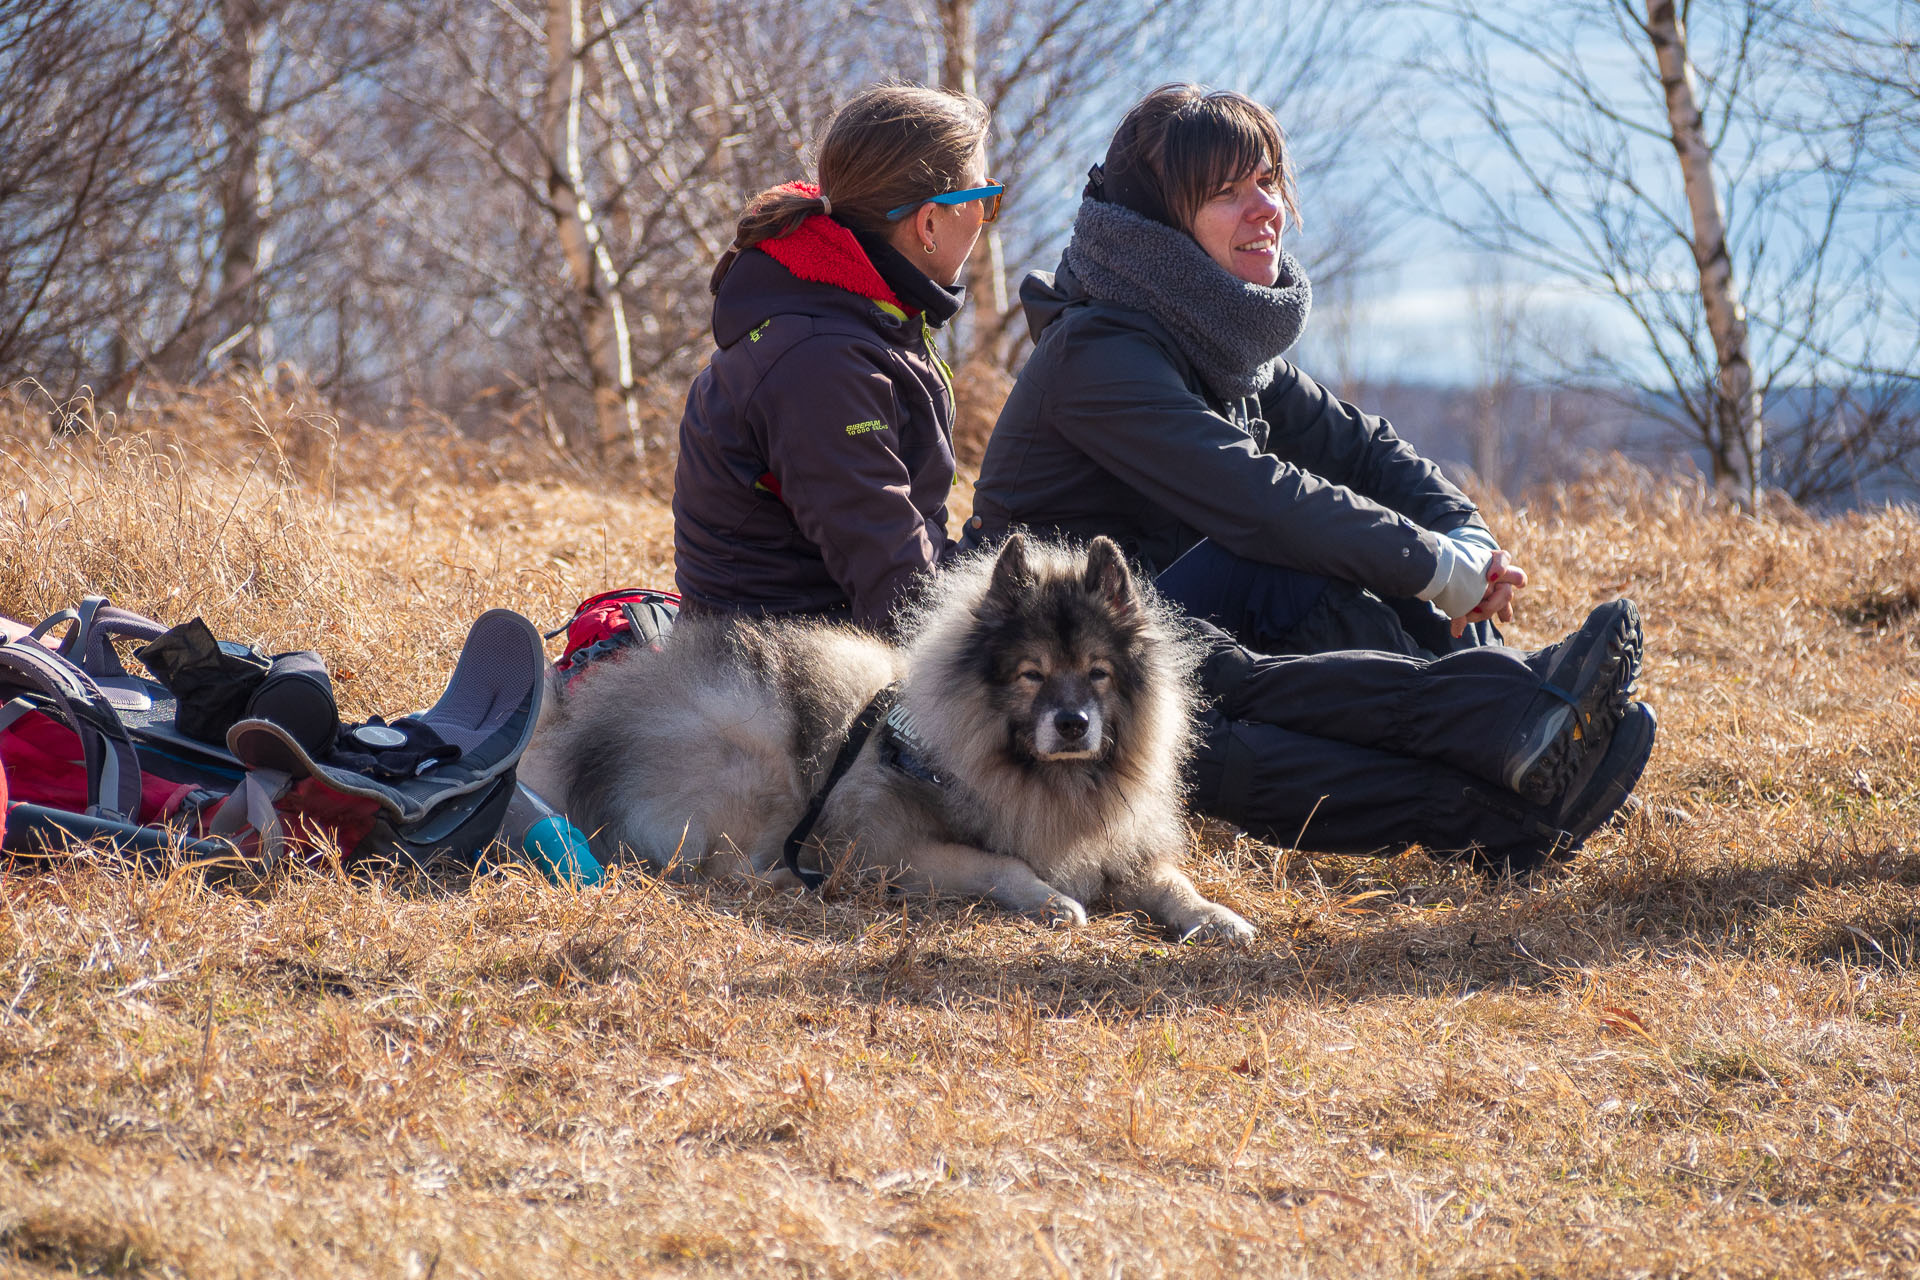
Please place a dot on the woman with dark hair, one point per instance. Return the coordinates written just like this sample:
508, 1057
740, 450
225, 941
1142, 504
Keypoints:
816, 448
1157, 409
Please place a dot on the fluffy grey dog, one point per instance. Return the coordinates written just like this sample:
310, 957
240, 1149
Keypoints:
1034, 756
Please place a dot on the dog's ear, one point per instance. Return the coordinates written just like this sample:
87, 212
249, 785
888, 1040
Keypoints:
1108, 578
1013, 576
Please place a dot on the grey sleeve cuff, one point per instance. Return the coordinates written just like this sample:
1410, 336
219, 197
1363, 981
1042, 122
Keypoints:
1477, 536
1460, 579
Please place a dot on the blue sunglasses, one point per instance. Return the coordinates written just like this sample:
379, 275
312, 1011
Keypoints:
991, 194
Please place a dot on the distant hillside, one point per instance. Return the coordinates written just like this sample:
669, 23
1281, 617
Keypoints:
1528, 435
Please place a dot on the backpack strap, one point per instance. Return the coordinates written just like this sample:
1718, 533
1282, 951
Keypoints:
89, 645
251, 807
113, 767
644, 621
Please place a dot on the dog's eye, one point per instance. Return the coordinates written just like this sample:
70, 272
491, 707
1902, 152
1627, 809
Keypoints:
1033, 676
1098, 674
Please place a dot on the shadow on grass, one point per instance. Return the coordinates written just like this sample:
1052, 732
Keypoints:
1838, 902
1341, 929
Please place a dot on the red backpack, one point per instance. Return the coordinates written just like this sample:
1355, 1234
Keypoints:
605, 624
94, 752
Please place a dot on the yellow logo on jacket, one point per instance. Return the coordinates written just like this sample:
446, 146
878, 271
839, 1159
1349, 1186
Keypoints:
863, 428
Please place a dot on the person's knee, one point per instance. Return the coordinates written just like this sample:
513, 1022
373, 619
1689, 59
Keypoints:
1220, 772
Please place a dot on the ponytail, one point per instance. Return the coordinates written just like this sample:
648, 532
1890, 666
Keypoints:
775, 212
892, 144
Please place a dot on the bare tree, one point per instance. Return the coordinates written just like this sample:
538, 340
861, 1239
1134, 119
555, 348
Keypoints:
1498, 314
607, 348
1555, 145
1316, 64
140, 146
959, 71
1044, 69
610, 165
1868, 57
500, 209
98, 139
1737, 432
1057, 74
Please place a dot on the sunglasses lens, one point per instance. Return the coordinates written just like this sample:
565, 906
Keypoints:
993, 206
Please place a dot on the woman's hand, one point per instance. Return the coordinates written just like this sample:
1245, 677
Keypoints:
1503, 579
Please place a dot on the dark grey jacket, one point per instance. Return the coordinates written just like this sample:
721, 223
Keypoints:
1109, 429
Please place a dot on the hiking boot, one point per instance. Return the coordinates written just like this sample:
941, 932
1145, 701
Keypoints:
1603, 785
1596, 794
1587, 683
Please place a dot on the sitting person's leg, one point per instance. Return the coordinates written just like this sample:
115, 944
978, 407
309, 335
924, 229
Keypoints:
1525, 722
1315, 793
1272, 609
1430, 629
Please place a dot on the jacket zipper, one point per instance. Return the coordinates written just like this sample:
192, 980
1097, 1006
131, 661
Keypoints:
946, 371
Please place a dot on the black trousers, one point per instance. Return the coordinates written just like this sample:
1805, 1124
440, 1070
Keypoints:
1273, 609
1367, 751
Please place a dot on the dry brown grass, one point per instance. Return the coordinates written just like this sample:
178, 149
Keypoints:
1694, 1054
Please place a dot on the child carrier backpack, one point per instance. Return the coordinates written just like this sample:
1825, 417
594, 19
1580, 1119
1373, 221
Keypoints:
605, 624
94, 751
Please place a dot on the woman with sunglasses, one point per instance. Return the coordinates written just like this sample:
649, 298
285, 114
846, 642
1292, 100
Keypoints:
816, 448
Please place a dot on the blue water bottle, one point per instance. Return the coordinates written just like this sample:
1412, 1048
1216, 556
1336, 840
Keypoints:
548, 840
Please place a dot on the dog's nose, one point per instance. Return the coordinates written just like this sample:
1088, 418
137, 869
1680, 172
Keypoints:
1070, 725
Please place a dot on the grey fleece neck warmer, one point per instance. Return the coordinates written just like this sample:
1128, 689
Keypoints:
1232, 331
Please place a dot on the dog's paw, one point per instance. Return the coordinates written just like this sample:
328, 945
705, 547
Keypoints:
1059, 912
781, 880
1221, 925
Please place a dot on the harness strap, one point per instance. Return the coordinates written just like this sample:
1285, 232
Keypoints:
901, 747
857, 735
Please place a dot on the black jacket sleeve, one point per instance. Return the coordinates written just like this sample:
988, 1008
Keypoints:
1314, 430
1117, 395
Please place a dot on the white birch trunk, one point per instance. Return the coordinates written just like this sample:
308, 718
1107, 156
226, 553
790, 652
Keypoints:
238, 331
986, 271
603, 314
1738, 432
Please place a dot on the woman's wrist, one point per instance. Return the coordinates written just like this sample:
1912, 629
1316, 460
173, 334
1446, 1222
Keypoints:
1459, 580
1475, 535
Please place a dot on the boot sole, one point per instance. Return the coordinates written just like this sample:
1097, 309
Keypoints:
1605, 668
1616, 776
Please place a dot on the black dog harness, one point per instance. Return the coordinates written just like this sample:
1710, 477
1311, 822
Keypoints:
857, 735
900, 748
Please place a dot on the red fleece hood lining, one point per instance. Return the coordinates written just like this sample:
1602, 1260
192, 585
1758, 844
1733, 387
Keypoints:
822, 251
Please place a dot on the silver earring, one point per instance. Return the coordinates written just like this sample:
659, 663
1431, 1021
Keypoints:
927, 248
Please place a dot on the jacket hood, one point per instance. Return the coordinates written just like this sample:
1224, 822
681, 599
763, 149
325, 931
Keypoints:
758, 287
822, 268
1045, 294
823, 251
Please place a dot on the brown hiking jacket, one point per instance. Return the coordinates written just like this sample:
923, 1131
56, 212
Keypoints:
816, 448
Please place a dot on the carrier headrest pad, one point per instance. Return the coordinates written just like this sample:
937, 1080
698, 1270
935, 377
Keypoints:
495, 689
